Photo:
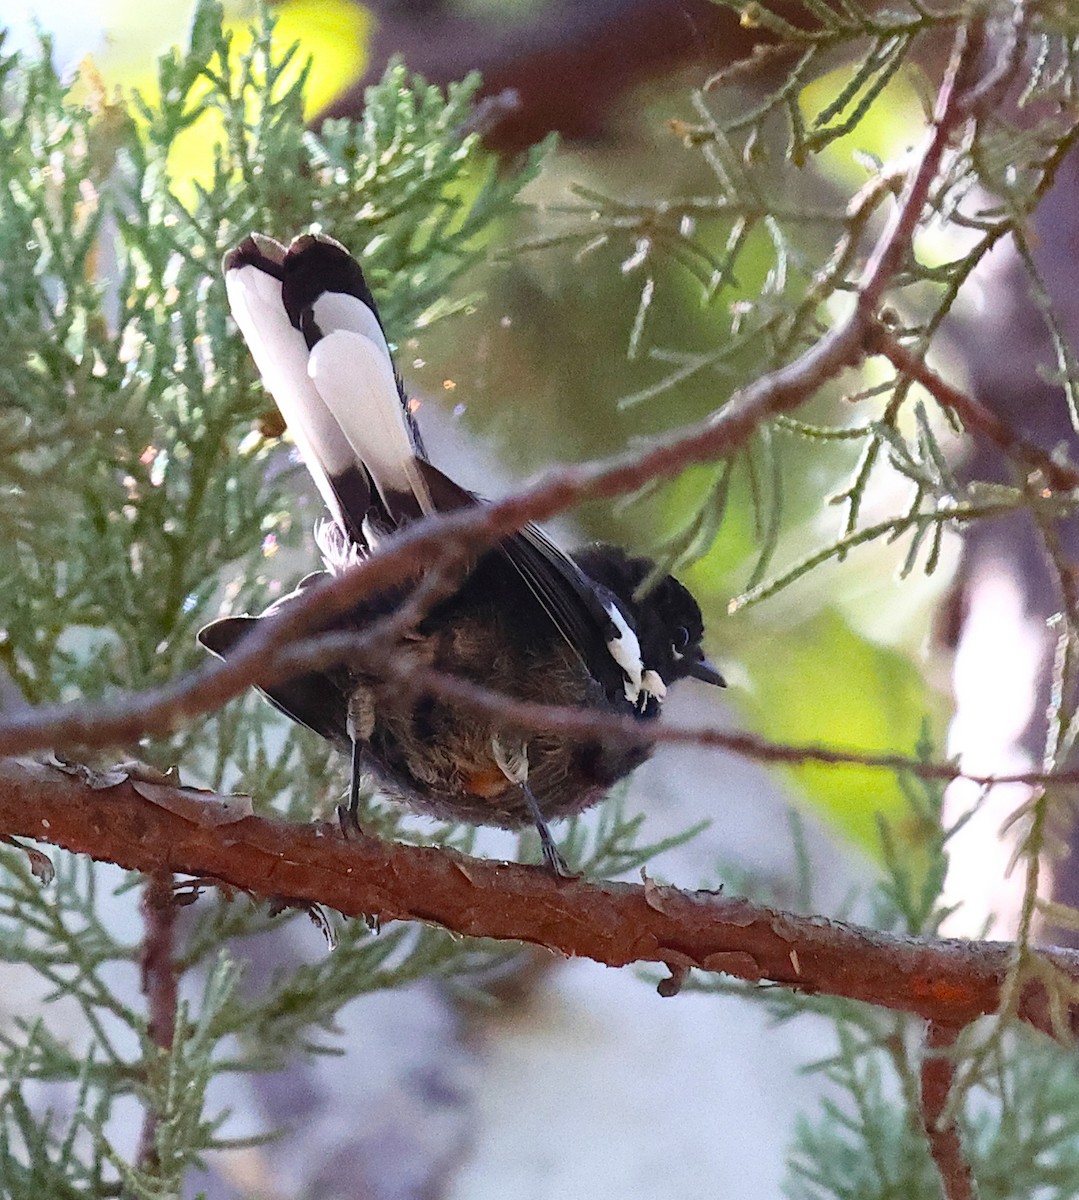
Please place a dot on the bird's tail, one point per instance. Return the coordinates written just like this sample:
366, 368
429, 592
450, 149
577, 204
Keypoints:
314, 332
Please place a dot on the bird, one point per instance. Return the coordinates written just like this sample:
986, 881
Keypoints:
528, 620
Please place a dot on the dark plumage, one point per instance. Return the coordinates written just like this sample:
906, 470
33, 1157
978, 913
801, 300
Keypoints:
528, 621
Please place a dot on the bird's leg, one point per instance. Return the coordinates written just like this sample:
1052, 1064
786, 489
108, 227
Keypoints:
552, 856
348, 817
514, 765
359, 724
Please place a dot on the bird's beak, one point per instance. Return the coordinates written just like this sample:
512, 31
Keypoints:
703, 670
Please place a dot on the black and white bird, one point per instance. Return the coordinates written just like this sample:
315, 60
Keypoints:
528, 621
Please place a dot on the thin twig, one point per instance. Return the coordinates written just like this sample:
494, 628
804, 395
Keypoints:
945, 1144
159, 986
975, 416
328, 650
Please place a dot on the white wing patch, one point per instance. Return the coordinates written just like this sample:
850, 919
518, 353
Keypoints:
638, 683
625, 649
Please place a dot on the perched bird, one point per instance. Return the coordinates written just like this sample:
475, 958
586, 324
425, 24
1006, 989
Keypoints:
528, 620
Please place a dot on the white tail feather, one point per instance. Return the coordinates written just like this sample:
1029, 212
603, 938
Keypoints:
337, 310
354, 377
281, 356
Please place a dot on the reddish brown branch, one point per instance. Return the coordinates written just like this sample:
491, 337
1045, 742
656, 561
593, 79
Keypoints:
168, 829
572, 722
949, 114
258, 658
945, 1145
99, 725
158, 966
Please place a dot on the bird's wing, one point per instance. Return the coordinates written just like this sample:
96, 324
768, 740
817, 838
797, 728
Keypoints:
585, 613
319, 701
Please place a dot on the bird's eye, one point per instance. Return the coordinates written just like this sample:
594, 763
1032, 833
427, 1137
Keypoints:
681, 638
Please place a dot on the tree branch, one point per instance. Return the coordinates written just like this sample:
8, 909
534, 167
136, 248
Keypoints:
158, 968
158, 828
975, 416
938, 1074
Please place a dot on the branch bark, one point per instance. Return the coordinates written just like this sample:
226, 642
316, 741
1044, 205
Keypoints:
159, 985
945, 1144
157, 828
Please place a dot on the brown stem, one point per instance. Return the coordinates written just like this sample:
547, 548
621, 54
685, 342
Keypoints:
942, 1132
975, 416
158, 967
